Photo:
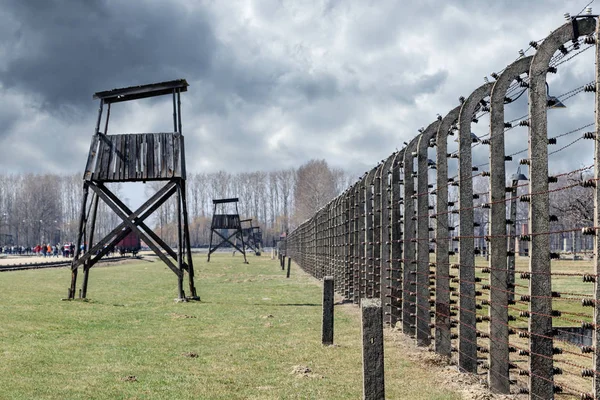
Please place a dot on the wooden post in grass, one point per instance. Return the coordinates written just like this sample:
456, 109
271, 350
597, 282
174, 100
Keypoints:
327, 336
372, 336
289, 266
282, 262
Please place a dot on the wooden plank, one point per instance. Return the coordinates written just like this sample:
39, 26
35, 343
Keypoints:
168, 155
106, 158
123, 158
180, 158
92, 156
98, 167
150, 155
138, 156
170, 159
163, 160
128, 156
144, 158
114, 175
176, 155
156, 155
132, 156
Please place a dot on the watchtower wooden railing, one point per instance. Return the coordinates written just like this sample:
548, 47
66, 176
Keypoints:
137, 157
228, 221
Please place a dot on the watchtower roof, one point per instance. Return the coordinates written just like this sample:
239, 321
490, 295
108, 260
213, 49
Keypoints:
142, 91
221, 201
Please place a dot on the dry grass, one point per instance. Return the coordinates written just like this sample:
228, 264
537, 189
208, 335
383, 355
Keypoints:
243, 341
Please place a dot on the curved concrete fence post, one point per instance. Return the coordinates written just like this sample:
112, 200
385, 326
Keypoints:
333, 256
345, 239
355, 244
333, 238
408, 254
314, 245
326, 218
422, 286
498, 374
442, 243
360, 248
350, 263
596, 336
540, 306
385, 262
326, 239
348, 267
319, 246
396, 264
376, 242
368, 234
467, 343
334, 242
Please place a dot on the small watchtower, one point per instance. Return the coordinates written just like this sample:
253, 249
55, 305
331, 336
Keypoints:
246, 233
227, 225
135, 157
251, 235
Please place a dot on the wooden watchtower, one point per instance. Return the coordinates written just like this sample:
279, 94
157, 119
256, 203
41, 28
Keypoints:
135, 157
246, 233
227, 225
249, 235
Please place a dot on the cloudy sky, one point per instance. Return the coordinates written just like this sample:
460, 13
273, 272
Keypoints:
273, 83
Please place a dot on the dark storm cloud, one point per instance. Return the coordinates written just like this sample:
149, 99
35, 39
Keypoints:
273, 83
64, 51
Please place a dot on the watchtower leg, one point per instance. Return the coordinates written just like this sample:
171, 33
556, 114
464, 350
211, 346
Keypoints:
211, 233
187, 244
179, 244
87, 265
243, 246
86, 190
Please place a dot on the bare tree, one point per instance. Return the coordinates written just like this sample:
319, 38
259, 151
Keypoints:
315, 186
286, 180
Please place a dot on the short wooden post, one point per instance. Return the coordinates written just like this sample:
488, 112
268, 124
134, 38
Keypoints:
289, 266
327, 336
272, 253
282, 262
372, 335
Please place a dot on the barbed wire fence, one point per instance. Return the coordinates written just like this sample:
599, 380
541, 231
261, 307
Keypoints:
476, 264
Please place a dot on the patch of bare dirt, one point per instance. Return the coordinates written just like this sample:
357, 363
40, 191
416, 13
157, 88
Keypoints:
129, 378
302, 371
470, 386
190, 355
181, 316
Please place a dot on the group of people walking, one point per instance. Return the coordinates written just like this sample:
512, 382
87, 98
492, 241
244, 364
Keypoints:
48, 250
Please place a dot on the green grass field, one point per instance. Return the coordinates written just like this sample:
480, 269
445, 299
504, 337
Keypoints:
132, 341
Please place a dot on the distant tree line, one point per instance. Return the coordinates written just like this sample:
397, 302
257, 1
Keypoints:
45, 208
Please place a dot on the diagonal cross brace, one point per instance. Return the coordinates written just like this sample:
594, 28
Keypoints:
225, 239
121, 230
133, 226
126, 231
145, 227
